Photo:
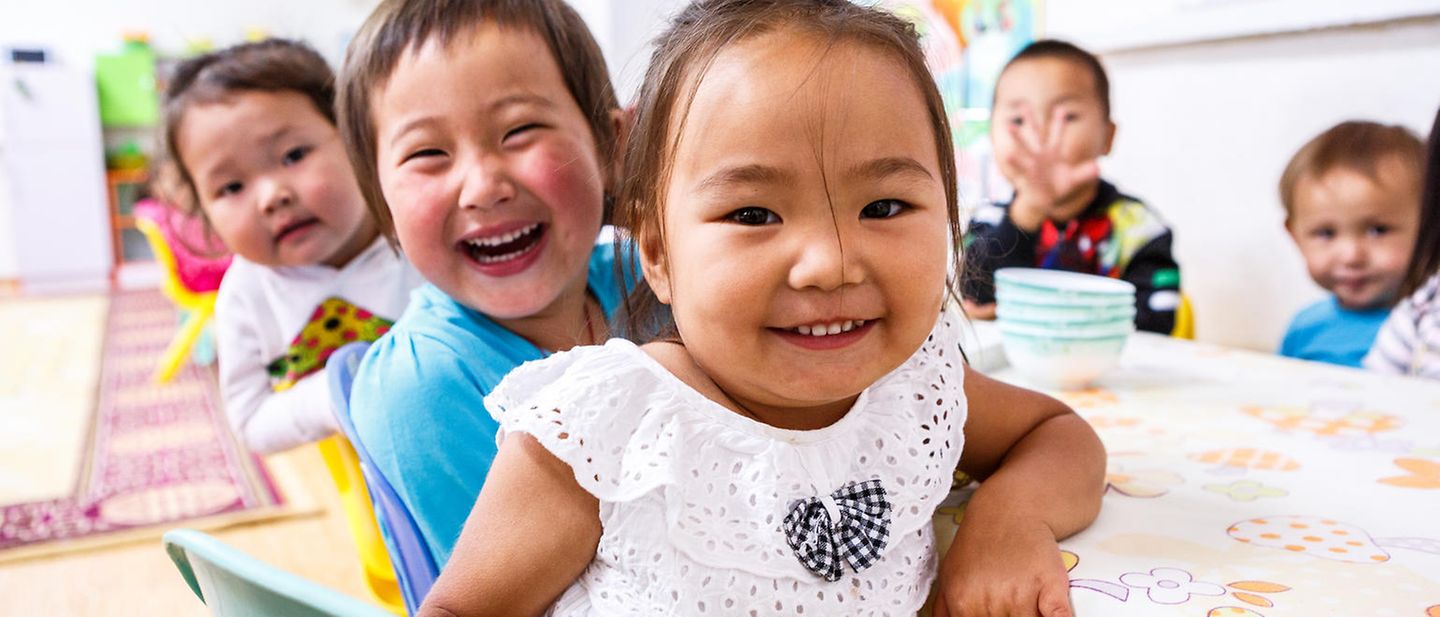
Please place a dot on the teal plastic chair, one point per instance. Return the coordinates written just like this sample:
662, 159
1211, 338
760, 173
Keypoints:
233, 584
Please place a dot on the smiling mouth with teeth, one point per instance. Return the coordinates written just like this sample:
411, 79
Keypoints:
830, 328
503, 247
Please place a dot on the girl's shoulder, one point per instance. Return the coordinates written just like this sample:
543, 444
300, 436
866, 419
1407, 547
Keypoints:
1429, 293
578, 386
571, 376
246, 282
588, 406
1421, 305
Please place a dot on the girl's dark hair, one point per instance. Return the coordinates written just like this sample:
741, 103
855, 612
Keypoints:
398, 27
1426, 260
682, 55
272, 65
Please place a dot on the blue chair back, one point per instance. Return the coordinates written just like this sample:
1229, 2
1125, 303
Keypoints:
233, 584
414, 567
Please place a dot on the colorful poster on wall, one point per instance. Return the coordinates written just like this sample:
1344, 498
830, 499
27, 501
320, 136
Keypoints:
967, 42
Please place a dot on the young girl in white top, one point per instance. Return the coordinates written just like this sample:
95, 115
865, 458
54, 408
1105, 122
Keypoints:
252, 132
781, 449
1409, 342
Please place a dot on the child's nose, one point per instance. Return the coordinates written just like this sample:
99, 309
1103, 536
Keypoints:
275, 195
822, 261
1353, 251
485, 185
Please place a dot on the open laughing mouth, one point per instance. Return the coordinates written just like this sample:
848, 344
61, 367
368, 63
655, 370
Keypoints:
503, 249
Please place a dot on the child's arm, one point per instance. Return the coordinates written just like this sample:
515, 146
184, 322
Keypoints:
1393, 351
532, 533
1042, 471
267, 421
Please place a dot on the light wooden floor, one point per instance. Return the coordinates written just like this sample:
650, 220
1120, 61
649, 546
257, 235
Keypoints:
138, 579
49, 360
49, 368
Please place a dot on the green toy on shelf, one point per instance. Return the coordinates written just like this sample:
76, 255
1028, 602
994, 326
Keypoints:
126, 85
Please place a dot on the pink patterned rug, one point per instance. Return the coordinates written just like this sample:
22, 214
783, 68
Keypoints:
157, 456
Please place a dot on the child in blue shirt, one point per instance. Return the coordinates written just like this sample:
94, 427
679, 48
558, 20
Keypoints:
1352, 205
494, 181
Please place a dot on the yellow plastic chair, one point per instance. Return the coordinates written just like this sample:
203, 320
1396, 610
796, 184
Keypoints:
1184, 320
344, 466
199, 308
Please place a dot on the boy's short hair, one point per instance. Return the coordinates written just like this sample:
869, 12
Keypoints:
1354, 145
1061, 50
271, 65
398, 27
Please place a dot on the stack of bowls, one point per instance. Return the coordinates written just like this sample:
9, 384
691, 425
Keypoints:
1063, 329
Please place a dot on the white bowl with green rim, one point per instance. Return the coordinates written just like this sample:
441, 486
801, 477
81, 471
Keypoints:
1021, 312
1093, 330
1043, 299
1061, 283
1065, 362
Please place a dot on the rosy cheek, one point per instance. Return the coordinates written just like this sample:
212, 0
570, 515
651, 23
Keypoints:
562, 176
415, 202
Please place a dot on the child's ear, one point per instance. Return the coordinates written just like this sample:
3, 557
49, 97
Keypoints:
654, 265
621, 120
1109, 138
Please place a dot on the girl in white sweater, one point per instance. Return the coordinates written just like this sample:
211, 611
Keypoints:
252, 131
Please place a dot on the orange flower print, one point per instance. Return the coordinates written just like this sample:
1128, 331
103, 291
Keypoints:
1423, 474
1141, 482
1248, 458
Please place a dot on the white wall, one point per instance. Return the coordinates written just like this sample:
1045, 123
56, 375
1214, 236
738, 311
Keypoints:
626, 40
78, 29
1207, 127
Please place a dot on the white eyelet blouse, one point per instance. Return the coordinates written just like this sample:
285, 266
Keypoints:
692, 494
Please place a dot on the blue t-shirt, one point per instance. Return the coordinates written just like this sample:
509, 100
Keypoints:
1328, 332
418, 400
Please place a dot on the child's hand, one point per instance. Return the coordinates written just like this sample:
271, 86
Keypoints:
1043, 179
1010, 568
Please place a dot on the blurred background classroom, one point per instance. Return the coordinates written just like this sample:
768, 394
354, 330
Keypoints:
97, 458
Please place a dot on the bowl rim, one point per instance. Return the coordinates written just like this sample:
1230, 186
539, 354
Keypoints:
1056, 315
1052, 301
1063, 281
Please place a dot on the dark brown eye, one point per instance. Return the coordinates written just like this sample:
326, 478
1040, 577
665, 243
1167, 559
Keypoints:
882, 209
753, 215
295, 155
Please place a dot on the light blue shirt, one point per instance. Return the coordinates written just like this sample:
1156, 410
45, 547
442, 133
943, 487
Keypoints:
418, 401
1328, 332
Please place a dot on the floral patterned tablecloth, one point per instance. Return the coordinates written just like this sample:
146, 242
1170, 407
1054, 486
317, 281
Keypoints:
1244, 484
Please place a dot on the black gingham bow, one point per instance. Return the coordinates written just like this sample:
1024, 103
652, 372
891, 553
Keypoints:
851, 524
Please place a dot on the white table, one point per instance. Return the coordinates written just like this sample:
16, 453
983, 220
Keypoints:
1246, 484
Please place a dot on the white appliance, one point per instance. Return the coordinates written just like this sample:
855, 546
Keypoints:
54, 212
